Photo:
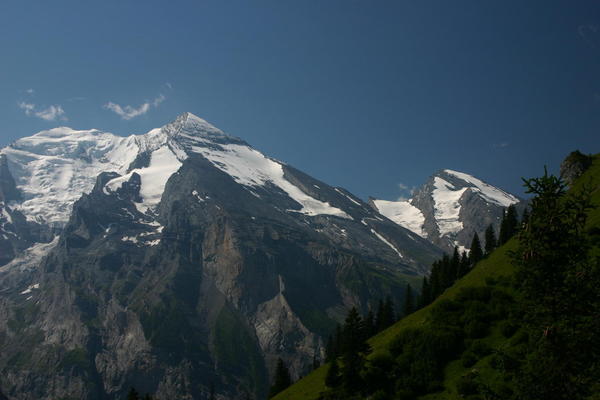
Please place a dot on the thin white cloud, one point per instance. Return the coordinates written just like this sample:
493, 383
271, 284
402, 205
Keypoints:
407, 192
129, 112
51, 113
501, 145
30, 91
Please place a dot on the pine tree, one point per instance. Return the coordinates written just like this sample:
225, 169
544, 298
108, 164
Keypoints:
408, 301
490, 240
524, 218
355, 348
390, 312
385, 314
454, 265
435, 281
509, 225
316, 362
425, 297
333, 379
281, 380
464, 265
330, 352
476, 253
559, 279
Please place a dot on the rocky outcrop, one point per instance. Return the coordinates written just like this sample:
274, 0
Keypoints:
574, 166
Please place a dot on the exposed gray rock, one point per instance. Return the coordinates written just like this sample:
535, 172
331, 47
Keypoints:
574, 166
209, 288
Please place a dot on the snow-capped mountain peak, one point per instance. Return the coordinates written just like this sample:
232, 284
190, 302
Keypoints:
53, 168
449, 208
491, 193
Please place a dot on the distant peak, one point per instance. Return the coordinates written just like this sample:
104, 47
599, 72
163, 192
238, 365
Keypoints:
189, 121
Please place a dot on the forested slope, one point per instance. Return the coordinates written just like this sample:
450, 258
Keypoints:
500, 331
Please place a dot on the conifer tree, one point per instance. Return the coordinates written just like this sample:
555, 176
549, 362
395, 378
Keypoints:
390, 312
476, 253
281, 380
408, 301
333, 378
425, 297
509, 225
355, 348
330, 352
446, 272
559, 279
490, 240
464, 264
524, 218
435, 281
454, 265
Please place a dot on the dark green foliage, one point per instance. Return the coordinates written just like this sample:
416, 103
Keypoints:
508, 329
354, 349
490, 240
476, 253
316, 362
465, 265
418, 356
408, 301
468, 359
370, 327
386, 315
467, 385
509, 225
425, 297
333, 378
281, 380
559, 282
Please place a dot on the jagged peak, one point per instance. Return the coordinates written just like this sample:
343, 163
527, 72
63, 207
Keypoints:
192, 124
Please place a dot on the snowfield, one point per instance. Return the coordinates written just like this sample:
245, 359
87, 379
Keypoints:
53, 168
404, 214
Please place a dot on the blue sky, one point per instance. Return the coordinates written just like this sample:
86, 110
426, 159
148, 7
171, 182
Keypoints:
373, 96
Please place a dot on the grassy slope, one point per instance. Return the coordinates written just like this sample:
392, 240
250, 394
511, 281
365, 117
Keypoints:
497, 265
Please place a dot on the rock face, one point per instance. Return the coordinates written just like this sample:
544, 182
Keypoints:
190, 261
574, 166
449, 208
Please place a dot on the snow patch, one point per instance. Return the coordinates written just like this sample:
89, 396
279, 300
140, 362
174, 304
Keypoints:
447, 208
384, 240
346, 196
490, 193
163, 164
249, 167
404, 214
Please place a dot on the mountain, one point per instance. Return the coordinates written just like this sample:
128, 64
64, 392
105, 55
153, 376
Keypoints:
449, 208
473, 341
178, 261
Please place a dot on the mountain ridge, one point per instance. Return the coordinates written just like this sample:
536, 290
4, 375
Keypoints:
191, 231
449, 208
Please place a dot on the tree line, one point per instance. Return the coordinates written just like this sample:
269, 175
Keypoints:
449, 269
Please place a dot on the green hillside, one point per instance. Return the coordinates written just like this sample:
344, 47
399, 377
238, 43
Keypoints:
494, 273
